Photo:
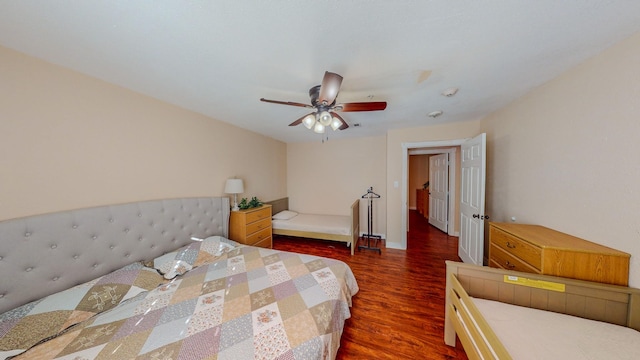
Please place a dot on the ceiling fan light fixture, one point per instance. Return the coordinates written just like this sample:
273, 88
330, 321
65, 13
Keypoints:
325, 118
335, 124
309, 121
318, 128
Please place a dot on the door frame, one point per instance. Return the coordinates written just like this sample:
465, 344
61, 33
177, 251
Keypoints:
433, 147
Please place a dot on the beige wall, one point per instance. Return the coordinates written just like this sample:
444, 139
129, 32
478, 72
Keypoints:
326, 178
567, 155
70, 141
395, 141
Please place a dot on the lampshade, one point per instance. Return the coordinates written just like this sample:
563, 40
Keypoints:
325, 118
319, 128
309, 120
335, 124
234, 186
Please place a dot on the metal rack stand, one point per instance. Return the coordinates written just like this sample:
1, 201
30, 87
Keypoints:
369, 235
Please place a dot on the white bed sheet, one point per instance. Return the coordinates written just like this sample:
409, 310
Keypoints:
536, 334
326, 224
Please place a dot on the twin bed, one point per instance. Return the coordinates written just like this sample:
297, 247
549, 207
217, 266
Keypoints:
160, 279
327, 227
502, 314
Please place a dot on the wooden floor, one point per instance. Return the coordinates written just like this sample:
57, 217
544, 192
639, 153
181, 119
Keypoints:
399, 311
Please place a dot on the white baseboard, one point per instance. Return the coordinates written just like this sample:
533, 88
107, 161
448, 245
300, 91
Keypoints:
393, 245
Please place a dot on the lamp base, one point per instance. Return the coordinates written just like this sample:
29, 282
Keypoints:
235, 206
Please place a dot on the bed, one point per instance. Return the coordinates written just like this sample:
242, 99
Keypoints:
160, 279
503, 314
326, 227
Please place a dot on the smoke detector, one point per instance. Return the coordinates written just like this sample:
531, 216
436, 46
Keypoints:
435, 114
450, 92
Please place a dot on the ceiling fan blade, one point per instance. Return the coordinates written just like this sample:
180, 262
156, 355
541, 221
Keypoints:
329, 88
363, 106
287, 103
299, 121
344, 123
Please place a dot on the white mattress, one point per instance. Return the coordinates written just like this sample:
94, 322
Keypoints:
326, 224
536, 334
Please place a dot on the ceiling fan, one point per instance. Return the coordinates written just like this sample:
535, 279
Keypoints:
323, 101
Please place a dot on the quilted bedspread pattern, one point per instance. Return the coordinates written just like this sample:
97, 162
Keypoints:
29, 324
251, 303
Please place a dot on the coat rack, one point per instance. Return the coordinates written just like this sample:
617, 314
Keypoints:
369, 235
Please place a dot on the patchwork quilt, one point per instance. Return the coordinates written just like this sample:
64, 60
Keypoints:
31, 323
244, 303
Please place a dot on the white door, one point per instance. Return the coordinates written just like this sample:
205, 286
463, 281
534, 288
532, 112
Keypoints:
439, 191
471, 241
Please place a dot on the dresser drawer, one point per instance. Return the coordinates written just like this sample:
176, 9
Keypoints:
518, 248
259, 236
264, 243
251, 226
535, 248
263, 213
502, 259
258, 225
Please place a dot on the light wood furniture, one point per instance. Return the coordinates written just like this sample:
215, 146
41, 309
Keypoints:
251, 226
540, 250
351, 239
590, 300
422, 202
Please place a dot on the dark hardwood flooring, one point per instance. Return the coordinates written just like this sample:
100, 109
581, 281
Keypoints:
399, 311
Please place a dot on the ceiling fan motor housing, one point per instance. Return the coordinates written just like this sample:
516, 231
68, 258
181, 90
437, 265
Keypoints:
313, 94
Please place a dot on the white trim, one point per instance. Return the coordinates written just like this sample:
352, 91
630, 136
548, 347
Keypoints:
434, 147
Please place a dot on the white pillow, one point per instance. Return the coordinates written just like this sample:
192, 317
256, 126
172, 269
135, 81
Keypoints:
284, 215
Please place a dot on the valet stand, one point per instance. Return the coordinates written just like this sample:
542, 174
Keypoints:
369, 235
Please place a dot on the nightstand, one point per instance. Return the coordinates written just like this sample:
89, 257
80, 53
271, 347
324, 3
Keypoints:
251, 226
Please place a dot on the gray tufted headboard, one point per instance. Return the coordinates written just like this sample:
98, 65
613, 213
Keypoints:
44, 254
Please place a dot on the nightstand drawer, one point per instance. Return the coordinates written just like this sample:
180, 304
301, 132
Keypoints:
518, 248
501, 258
263, 213
259, 236
264, 243
251, 226
258, 225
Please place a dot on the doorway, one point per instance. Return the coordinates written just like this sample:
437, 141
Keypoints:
472, 168
452, 147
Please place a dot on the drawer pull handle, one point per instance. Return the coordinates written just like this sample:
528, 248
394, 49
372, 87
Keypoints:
510, 265
510, 245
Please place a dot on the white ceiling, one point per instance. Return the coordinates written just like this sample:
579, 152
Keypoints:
219, 57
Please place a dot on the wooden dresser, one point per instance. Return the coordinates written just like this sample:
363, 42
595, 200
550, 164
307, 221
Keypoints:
537, 249
251, 226
422, 202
